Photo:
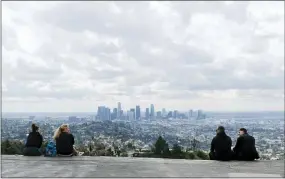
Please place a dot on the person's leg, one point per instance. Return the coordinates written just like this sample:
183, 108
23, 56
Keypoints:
31, 151
26, 151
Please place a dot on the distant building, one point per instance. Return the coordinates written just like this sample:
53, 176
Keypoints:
130, 115
169, 115
119, 110
31, 118
200, 115
103, 113
164, 112
134, 112
114, 114
159, 115
138, 112
175, 114
152, 112
147, 114
190, 114
73, 119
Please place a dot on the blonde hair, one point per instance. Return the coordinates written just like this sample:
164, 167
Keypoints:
59, 130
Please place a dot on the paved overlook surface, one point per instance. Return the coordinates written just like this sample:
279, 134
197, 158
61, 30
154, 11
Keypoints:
112, 167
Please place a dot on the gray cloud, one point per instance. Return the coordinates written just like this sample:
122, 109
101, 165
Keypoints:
145, 51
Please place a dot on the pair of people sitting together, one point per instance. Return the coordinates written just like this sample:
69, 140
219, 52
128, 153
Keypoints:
244, 149
63, 138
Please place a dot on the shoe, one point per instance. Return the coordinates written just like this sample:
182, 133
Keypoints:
80, 153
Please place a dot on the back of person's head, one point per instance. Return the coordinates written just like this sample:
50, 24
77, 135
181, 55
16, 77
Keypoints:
62, 128
243, 130
220, 129
35, 128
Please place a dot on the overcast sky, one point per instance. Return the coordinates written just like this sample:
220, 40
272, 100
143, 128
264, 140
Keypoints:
74, 56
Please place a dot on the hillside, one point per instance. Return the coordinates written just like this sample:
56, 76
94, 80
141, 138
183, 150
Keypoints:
20, 166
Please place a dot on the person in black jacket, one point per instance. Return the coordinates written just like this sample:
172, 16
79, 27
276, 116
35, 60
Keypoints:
34, 143
65, 141
221, 146
245, 147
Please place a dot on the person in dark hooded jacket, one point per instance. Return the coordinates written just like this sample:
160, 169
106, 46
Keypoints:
34, 142
245, 147
221, 146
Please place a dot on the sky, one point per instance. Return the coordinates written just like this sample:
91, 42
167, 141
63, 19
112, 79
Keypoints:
75, 56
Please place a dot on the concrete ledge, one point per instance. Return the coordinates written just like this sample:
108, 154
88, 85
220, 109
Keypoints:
113, 167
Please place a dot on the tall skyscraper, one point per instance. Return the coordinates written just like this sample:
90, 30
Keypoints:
119, 110
107, 114
201, 115
175, 114
114, 114
169, 115
134, 112
147, 114
130, 115
190, 114
103, 113
138, 112
152, 112
158, 114
164, 112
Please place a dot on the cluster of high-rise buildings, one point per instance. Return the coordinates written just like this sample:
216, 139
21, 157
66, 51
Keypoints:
105, 113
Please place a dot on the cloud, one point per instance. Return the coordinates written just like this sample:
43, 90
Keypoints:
66, 56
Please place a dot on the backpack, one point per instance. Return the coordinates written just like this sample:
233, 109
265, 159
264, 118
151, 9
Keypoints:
50, 150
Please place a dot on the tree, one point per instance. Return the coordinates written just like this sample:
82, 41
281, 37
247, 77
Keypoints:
166, 151
12, 147
190, 155
160, 146
4, 146
177, 151
130, 146
109, 152
194, 143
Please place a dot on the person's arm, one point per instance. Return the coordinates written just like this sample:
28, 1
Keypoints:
212, 145
230, 142
253, 141
238, 144
41, 140
28, 139
72, 139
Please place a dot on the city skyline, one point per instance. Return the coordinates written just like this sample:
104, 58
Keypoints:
76, 56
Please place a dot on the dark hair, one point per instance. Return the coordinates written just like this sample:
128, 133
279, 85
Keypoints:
35, 128
243, 129
221, 129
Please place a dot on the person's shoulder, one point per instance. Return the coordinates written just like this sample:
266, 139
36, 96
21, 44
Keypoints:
33, 134
38, 133
250, 136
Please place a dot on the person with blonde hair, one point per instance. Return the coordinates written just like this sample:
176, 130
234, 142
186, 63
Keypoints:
65, 141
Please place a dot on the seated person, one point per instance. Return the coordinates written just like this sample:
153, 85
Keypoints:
221, 146
64, 142
34, 143
245, 147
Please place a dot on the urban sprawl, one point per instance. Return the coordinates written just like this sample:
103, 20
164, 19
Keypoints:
141, 127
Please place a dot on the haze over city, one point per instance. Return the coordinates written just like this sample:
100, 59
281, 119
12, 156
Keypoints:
76, 56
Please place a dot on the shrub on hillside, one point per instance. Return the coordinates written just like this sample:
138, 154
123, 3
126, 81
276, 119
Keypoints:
12, 147
202, 155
